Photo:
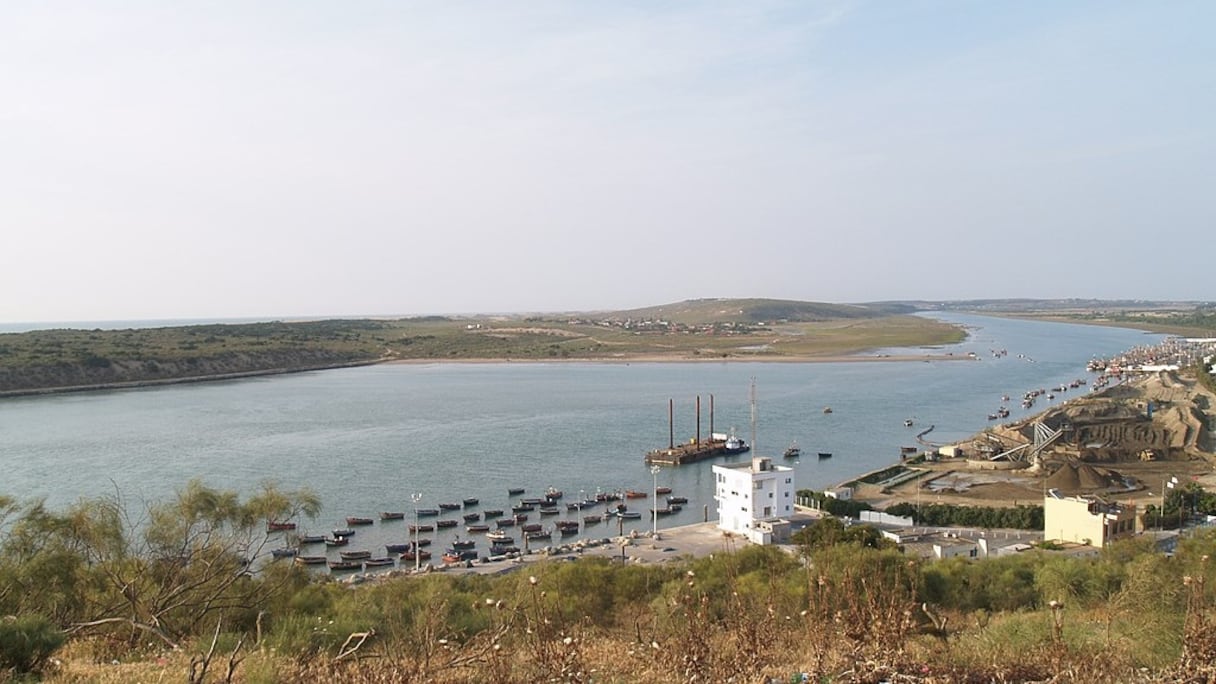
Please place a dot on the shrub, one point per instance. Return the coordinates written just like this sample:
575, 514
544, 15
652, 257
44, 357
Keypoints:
26, 642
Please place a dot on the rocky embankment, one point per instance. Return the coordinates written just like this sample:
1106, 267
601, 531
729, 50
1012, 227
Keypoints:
67, 377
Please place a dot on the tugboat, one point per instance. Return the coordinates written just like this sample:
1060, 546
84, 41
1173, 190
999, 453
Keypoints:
735, 445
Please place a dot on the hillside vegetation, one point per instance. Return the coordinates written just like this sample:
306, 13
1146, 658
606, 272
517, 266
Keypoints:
47, 360
92, 597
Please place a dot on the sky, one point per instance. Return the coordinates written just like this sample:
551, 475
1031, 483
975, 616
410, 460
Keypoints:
297, 158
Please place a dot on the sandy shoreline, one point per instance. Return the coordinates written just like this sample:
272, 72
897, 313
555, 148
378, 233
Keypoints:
660, 358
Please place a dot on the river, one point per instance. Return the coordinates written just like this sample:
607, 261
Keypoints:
366, 438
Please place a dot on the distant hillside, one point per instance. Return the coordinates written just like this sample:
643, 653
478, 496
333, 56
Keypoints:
715, 310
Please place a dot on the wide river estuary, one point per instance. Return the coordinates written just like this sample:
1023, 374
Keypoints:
367, 438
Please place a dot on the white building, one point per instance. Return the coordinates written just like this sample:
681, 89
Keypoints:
755, 499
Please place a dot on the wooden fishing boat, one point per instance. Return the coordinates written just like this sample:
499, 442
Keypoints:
344, 565
514, 491
662, 490
355, 555
505, 522
379, 562
474, 529
284, 553
311, 539
354, 521
825, 454
421, 528
275, 526
449, 506
592, 519
392, 515
398, 548
463, 544
428, 512
337, 541
492, 512
345, 532
680, 500
311, 560
471, 501
446, 523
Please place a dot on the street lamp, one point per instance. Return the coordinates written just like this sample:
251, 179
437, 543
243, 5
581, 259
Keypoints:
654, 509
416, 497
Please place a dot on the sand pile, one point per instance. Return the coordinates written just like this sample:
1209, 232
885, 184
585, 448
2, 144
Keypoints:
1071, 478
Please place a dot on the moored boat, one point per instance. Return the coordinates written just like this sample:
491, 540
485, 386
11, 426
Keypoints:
310, 560
392, 515
447, 523
410, 555
472, 517
492, 512
446, 506
354, 521
311, 539
793, 451
276, 526
464, 544
592, 519
505, 522
421, 528
355, 555
470, 501
337, 541
345, 565
379, 562
398, 548
474, 529
677, 500
346, 532
513, 491
633, 494
662, 490
283, 553
428, 512
825, 454
629, 515
534, 527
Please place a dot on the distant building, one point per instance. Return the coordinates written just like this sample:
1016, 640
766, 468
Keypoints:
1086, 520
755, 499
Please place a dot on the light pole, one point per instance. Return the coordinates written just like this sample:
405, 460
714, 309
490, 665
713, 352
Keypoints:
416, 497
654, 509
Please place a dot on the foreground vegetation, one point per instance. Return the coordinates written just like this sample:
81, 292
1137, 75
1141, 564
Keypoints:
100, 593
710, 329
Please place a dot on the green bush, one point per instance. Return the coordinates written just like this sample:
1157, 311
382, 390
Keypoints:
26, 642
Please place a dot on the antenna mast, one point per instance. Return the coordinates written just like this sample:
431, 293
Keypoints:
753, 402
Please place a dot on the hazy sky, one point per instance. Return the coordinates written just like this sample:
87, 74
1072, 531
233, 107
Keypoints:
223, 159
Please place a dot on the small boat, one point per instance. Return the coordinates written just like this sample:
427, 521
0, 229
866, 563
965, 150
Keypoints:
633, 494
446, 523
533, 501
347, 532
469, 543
549, 510
458, 556
394, 515
398, 548
678, 500
472, 517
523, 508
629, 515
735, 444
421, 555
665, 511
345, 565
574, 506
505, 522
908, 422
603, 497
492, 512
827, 409
477, 528
534, 527
354, 521
449, 506
825, 454
515, 491
355, 555
793, 451
498, 537
424, 541
284, 553
428, 512
553, 494
337, 541
592, 519
421, 528
503, 549
378, 562
275, 526
567, 531
662, 490
471, 501
908, 449
534, 536
311, 539
311, 560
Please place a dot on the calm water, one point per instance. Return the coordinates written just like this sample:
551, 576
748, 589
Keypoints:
366, 438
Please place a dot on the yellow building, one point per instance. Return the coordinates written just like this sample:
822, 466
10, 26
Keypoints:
1087, 520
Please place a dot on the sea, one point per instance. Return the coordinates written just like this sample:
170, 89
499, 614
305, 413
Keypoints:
373, 438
